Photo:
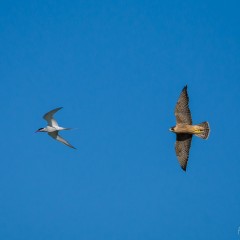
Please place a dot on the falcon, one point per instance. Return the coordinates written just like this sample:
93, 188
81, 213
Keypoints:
184, 129
53, 128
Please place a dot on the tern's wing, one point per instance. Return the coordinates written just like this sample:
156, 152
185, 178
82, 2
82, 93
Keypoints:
49, 117
60, 139
182, 111
182, 148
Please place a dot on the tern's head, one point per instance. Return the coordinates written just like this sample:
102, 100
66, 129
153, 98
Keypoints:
40, 130
171, 129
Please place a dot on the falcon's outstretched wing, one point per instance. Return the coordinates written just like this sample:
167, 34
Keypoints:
182, 147
182, 111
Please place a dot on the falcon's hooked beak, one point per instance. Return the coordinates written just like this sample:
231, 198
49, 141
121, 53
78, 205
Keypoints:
171, 129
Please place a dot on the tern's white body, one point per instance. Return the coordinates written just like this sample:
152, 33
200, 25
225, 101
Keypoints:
52, 128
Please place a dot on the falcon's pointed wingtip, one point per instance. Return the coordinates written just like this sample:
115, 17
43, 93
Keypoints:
185, 87
184, 169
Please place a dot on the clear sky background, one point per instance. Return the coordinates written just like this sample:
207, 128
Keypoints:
117, 68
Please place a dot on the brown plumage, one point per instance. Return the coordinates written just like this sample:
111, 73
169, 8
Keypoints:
184, 129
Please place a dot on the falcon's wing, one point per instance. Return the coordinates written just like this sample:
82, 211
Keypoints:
182, 111
182, 147
49, 117
60, 139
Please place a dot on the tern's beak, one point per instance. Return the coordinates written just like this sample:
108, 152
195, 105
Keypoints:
40, 130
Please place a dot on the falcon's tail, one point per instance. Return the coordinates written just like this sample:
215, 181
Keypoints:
204, 130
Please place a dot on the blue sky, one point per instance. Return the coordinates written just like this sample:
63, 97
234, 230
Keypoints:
117, 68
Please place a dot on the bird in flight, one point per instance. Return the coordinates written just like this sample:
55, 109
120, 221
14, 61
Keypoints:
53, 128
185, 130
